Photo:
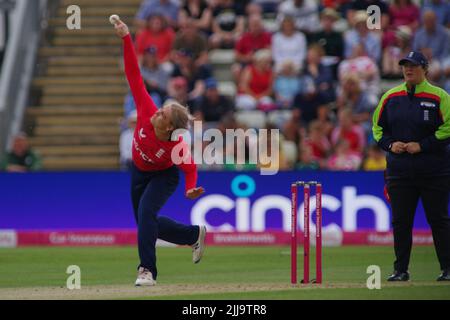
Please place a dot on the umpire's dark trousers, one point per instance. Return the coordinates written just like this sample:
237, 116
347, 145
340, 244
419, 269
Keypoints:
405, 194
149, 192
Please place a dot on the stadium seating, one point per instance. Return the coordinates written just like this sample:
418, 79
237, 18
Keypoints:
76, 106
81, 87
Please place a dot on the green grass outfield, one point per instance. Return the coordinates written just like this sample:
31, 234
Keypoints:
224, 273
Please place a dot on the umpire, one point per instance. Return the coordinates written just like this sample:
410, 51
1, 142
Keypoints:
412, 124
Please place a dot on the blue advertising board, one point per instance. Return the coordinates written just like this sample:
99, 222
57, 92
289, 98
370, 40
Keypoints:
234, 201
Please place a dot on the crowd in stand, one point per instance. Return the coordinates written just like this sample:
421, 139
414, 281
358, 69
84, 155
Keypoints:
21, 158
321, 63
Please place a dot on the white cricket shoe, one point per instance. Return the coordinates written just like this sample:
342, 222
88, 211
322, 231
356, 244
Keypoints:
199, 247
145, 278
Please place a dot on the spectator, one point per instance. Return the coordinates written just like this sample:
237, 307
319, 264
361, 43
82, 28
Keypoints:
325, 119
432, 38
362, 5
158, 35
375, 160
316, 87
349, 131
213, 106
364, 68
154, 75
288, 45
360, 34
288, 154
361, 103
441, 9
178, 90
168, 9
189, 38
318, 142
286, 85
330, 40
228, 24
308, 101
433, 41
255, 86
195, 75
292, 131
306, 160
344, 158
22, 158
128, 105
402, 13
197, 12
305, 12
126, 141
392, 54
254, 39
321, 75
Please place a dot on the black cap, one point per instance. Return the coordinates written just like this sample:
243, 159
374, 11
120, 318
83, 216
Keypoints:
416, 58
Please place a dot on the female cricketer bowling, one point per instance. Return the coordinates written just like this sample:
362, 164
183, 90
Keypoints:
154, 177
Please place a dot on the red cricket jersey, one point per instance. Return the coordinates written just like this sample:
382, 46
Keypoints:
150, 153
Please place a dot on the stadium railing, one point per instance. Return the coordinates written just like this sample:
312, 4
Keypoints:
18, 66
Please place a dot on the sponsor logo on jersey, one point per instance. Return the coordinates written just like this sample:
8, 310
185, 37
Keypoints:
141, 134
144, 157
427, 104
